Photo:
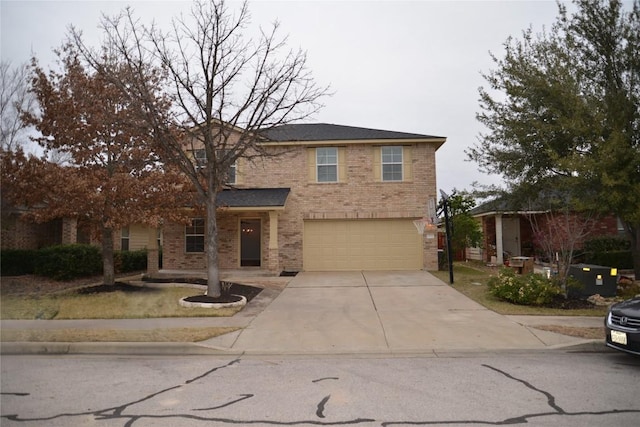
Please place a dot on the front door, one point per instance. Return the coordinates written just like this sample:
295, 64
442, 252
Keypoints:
511, 235
250, 232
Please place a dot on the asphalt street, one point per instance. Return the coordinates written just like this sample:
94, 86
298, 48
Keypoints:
539, 388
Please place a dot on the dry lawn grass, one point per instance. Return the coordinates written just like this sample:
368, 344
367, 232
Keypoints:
110, 335
587, 333
112, 305
31, 297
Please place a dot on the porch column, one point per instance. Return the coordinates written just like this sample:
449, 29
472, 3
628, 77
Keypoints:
69, 231
153, 257
499, 246
274, 253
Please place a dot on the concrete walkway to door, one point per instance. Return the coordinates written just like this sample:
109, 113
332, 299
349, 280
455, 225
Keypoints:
375, 312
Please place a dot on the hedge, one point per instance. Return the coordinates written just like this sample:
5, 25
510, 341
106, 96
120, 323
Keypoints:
126, 261
618, 259
16, 262
64, 262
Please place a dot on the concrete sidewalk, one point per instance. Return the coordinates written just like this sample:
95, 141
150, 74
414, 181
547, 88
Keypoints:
367, 312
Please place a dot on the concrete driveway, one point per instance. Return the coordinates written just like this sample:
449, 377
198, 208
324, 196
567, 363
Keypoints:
379, 312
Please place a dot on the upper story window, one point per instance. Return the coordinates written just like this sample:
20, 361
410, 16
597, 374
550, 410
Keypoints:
194, 236
327, 164
392, 163
200, 157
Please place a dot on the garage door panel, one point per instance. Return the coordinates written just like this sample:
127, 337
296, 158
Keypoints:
361, 245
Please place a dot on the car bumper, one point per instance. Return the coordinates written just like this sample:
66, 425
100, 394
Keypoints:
633, 340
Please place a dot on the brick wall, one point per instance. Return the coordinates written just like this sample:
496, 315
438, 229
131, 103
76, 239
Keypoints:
357, 196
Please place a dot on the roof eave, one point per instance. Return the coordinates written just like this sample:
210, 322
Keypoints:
394, 141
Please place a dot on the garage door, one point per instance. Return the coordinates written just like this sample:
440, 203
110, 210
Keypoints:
334, 245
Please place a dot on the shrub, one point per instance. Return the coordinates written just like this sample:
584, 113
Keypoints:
530, 289
617, 259
16, 262
607, 244
126, 261
66, 262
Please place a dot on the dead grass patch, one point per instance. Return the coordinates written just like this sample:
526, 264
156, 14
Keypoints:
586, 333
112, 305
111, 335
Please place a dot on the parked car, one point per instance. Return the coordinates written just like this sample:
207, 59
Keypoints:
622, 325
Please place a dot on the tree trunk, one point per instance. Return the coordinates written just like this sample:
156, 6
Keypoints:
108, 268
635, 250
213, 274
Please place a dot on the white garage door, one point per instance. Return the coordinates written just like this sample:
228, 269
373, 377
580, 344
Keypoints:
335, 245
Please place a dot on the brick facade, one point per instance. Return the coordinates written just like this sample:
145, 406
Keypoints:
358, 195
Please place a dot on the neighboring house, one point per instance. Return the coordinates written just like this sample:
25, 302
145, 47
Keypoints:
508, 232
328, 197
16, 232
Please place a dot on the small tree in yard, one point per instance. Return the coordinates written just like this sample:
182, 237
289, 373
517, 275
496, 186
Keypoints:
225, 90
559, 233
466, 231
113, 178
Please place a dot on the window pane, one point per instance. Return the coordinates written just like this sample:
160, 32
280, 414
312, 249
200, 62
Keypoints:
327, 173
231, 178
327, 156
391, 154
194, 236
327, 164
392, 163
392, 172
195, 244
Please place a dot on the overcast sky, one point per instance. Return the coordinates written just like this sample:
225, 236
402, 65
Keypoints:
408, 66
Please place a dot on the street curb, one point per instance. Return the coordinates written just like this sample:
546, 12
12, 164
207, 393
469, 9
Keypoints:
187, 349
122, 348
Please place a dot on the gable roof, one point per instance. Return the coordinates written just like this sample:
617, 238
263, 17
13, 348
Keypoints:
252, 197
330, 132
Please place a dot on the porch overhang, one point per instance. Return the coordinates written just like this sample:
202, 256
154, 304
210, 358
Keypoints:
253, 199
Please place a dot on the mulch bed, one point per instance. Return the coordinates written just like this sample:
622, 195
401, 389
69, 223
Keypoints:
33, 286
249, 292
569, 303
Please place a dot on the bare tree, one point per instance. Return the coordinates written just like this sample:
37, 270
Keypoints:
15, 99
225, 87
558, 233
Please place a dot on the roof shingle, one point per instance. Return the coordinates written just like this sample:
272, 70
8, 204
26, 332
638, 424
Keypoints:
331, 132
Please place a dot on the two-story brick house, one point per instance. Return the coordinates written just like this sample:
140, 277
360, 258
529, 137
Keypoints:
328, 197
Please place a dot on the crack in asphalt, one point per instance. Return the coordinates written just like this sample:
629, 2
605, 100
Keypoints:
117, 412
521, 419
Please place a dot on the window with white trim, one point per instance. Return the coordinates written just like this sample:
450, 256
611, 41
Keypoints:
194, 236
392, 163
327, 164
124, 239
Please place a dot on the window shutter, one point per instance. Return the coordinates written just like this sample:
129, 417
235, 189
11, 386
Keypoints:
377, 164
342, 164
311, 163
407, 164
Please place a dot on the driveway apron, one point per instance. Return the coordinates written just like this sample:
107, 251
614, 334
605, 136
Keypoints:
375, 312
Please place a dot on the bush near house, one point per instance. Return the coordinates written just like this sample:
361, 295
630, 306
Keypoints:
609, 251
530, 289
17, 262
65, 262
